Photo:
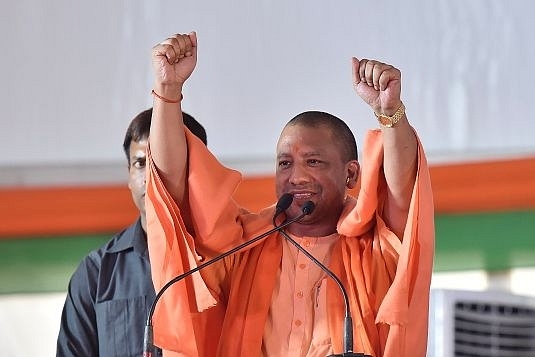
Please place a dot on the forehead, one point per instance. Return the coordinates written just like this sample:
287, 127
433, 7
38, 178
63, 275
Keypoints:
304, 138
138, 148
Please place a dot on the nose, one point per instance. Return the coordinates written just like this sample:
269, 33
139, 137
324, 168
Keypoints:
299, 175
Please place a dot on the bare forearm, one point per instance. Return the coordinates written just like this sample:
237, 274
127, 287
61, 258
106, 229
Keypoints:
168, 143
400, 161
379, 85
173, 61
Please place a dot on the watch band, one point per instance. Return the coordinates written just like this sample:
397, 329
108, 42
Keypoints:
389, 121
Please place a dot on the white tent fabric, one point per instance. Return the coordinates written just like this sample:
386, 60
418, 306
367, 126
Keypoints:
74, 74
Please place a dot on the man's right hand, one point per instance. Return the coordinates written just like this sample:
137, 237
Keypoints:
173, 61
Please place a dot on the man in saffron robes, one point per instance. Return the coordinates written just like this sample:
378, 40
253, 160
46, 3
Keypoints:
272, 300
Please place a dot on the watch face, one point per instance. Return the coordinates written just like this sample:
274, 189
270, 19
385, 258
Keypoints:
385, 121
389, 122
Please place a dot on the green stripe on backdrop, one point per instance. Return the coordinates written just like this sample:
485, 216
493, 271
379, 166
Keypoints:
42, 264
491, 241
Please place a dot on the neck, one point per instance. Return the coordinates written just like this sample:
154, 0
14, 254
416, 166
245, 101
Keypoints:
311, 230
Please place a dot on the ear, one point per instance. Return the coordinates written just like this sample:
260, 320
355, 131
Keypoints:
353, 172
129, 177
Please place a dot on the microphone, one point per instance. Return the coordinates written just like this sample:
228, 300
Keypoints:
282, 205
307, 209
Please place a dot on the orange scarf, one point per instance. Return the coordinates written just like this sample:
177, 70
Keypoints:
387, 279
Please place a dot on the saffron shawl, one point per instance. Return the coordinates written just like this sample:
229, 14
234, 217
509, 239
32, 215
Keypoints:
226, 305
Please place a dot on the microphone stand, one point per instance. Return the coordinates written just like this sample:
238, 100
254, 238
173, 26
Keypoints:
148, 337
348, 321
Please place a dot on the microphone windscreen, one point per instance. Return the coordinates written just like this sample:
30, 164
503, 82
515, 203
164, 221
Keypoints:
308, 207
284, 202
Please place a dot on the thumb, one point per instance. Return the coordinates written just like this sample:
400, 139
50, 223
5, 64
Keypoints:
355, 65
193, 38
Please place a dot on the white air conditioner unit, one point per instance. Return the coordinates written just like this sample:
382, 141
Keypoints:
480, 324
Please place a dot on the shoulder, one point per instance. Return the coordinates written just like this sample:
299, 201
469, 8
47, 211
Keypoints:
120, 242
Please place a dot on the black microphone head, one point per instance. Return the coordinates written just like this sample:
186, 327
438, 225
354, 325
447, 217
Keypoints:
283, 203
308, 207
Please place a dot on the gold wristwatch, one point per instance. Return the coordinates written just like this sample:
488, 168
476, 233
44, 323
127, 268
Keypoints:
389, 121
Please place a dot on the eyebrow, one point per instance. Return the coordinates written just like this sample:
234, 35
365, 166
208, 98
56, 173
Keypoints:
139, 155
306, 155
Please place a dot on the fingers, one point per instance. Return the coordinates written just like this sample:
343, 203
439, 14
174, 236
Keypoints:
355, 69
177, 47
374, 73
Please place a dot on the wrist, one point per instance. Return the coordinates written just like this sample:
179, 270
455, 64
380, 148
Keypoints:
391, 109
390, 120
165, 99
171, 91
167, 93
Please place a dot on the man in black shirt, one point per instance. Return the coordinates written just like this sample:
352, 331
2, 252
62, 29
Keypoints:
111, 291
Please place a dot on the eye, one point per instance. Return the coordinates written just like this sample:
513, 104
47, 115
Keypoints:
139, 163
314, 162
284, 163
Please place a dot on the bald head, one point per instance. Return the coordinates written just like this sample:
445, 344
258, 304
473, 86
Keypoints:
341, 133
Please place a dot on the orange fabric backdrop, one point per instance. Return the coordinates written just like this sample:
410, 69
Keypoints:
457, 188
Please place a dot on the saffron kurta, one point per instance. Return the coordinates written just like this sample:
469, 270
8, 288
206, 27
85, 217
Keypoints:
387, 277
